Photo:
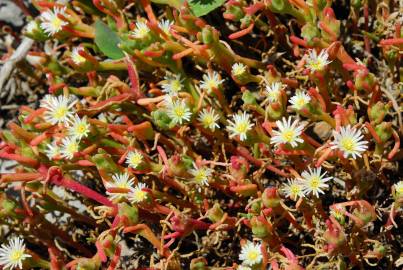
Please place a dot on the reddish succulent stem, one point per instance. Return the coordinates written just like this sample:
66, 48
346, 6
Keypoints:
396, 147
242, 32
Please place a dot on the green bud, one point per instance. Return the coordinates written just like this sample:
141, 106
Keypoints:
161, 119
309, 32
198, 264
258, 228
215, 213
377, 112
270, 198
384, 131
104, 162
7, 207
131, 212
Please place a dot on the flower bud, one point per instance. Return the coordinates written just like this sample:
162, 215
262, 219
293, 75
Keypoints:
335, 238
35, 32
93, 263
239, 167
130, 212
377, 112
215, 213
384, 131
259, 229
7, 207
104, 162
364, 80
309, 32
270, 198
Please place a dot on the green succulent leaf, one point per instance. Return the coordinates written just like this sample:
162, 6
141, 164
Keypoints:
107, 41
203, 7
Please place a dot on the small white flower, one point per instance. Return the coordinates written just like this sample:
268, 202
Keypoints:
165, 25
120, 180
208, 118
69, 147
141, 30
51, 23
172, 85
201, 175
210, 81
238, 69
179, 111
273, 91
13, 254
134, 158
314, 182
317, 62
293, 189
251, 254
240, 125
399, 188
299, 100
287, 132
76, 57
137, 194
52, 150
58, 109
31, 27
80, 128
350, 141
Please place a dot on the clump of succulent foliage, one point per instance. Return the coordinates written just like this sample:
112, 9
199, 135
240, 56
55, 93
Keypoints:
207, 134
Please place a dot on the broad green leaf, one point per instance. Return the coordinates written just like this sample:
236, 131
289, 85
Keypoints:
203, 7
107, 41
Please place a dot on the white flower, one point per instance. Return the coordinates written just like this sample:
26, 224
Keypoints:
80, 128
399, 188
51, 23
273, 91
293, 189
31, 27
134, 158
120, 180
13, 254
178, 111
314, 182
208, 118
172, 85
52, 151
137, 194
299, 100
239, 126
165, 25
288, 132
58, 109
251, 254
238, 69
201, 175
349, 141
69, 147
210, 81
317, 62
76, 57
141, 30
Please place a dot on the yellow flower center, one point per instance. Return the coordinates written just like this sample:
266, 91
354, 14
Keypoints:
78, 58
16, 255
252, 255
300, 102
135, 160
212, 84
316, 64
347, 144
72, 148
200, 176
238, 70
208, 120
179, 111
60, 113
139, 195
295, 189
314, 182
81, 128
288, 135
241, 127
176, 85
56, 23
